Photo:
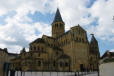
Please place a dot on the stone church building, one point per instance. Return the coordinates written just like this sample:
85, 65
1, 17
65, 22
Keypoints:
63, 51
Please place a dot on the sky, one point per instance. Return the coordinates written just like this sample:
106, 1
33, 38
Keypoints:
22, 21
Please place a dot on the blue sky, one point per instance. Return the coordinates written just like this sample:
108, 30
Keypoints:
39, 17
21, 22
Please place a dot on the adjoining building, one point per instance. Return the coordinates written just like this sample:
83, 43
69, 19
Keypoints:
107, 64
5, 57
107, 57
63, 51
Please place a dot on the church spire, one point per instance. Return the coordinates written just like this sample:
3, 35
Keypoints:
58, 17
93, 39
23, 50
58, 27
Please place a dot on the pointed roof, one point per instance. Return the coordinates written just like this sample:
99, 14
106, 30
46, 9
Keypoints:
93, 39
23, 50
64, 56
39, 40
58, 17
107, 54
4, 50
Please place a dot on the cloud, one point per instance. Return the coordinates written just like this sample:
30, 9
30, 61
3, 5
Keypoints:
18, 33
103, 10
23, 6
112, 50
20, 29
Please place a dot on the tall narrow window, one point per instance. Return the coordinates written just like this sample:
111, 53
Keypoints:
39, 54
39, 63
30, 47
31, 54
61, 64
60, 24
54, 63
34, 48
57, 25
42, 48
66, 64
82, 40
79, 31
38, 48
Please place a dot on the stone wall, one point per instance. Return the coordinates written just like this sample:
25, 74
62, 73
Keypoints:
107, 69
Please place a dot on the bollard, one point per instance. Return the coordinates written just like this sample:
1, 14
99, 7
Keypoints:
75, 74
78, 73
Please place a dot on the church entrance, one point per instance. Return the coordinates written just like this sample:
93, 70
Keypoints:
81, 67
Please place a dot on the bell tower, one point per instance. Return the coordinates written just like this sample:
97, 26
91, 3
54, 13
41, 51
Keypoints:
94, 54
94, 46
57, 25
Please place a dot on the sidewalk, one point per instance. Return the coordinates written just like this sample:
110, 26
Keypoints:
95, 74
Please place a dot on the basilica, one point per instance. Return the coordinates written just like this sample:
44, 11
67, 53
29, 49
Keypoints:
63, 51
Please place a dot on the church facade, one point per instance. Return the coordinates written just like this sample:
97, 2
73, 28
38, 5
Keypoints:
63, 51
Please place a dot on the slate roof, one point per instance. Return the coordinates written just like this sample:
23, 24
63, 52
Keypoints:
93, 39
39, 40
64, 56
58, 17
107, 54
5, 50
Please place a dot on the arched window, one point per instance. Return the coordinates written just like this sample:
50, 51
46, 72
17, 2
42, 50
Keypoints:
42, 49
39, 63
38, 48
79, 39
60, 24
66, 64
72, 34
61, 64
56, 25
30, 47
31, 54
82, 40
34, 47
57, 53
38, 54
79, 31
66, 41
54, 63
76, 39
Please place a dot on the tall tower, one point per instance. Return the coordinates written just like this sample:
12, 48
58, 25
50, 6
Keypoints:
94, 53
94, 45
57, 25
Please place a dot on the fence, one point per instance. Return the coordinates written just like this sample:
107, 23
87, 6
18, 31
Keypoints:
19, 73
